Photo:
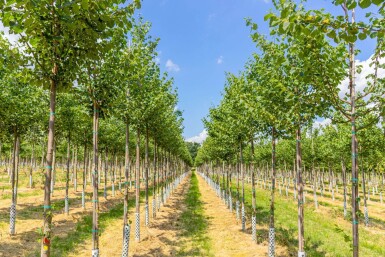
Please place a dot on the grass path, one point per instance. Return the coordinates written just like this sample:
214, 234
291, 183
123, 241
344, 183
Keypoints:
194, 222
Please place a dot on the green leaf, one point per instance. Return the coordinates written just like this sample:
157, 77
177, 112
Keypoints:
268, 16
85, 4
362, 36
332, 34
364, 3
352, 5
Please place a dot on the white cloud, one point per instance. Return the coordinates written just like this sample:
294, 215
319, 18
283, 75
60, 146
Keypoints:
12, 38
321, 123
361, 81
198, 139
170, 66
220, 60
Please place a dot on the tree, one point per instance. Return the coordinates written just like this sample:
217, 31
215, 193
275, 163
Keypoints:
297, 22
193, 149
59, 36
21, 106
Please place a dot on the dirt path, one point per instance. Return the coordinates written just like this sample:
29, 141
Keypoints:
163, 235
159, 239
227, 238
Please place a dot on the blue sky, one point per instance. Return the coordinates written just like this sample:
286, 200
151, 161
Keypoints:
200, 40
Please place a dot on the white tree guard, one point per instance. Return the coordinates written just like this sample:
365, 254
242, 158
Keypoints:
137, 226
271, 242
12, 219
231, 203
95, 252
301, 254
126, 240
366, 213
254, 228
146, 215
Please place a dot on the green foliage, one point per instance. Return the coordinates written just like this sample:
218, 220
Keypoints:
193, 149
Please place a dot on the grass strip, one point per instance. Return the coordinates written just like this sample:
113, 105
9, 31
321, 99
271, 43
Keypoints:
326, 232
194, 223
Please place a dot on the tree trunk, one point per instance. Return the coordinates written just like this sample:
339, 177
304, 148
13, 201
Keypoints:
17, 161
47, 224
154, 183
137, 187
126, 224
105, 174
355, 209
12, 220
146, 179
253, 200
66, 203
84, 176
301, 243
243, 214
76, 170
53, 168
271, 223
95, 181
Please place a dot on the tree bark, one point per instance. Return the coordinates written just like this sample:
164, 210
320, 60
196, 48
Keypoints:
13, 186
354, 143
47, 216
301, 243
271, 221
67, 173
146, 175
95, 181
137, 187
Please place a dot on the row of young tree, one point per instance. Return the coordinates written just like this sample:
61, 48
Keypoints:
89, 68
305, 71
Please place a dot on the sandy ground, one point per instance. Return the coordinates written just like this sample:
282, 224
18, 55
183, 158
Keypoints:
159, 239
163, 235
29, 220
227, 238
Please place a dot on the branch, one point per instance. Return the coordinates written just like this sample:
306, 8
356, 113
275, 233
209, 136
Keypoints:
34, 55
